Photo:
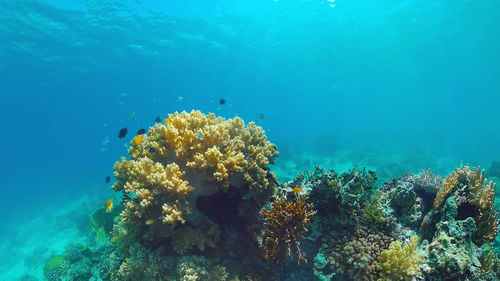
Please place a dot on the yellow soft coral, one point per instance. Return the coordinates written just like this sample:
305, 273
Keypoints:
186, 156
214, 148
400, 262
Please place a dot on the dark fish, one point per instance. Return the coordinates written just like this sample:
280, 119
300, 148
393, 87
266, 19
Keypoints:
141, 131
108, 179
260, 117
158, 119
122, 133
152, 150
222, 101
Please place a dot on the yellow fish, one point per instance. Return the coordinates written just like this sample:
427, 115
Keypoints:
109, 205
297, 189
150, 221
111, 275
138, 139
113, 239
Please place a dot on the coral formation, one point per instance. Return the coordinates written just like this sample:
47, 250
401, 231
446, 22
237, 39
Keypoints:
179, 172
285, 227
474, 197
400, 262
354, 252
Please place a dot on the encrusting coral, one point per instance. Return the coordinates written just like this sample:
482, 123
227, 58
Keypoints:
354, 252
285, 227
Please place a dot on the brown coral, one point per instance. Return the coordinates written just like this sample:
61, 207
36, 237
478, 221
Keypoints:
448, 183
285, 227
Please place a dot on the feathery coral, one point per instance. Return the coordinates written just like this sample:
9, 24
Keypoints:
285, 227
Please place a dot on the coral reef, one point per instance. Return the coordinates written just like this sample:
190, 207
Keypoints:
285, 227
199, 202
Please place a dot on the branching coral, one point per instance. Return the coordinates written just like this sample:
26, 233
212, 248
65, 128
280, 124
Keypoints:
400, 262
425, 181
285, 227
448, 183
474, 195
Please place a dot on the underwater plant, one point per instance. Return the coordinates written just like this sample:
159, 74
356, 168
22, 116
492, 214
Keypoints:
285, 226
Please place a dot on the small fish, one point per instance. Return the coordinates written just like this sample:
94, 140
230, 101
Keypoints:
141, 131
108, 179
109, 205
130, 117
152, 150
297, 189
138, 139
111, 275
124, 94
122, 133
180, 98
260, 117
222, 101
113, 239
150, 221
105, 141
158, 119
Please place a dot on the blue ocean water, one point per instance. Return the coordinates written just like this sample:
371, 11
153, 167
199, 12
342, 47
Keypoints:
395, 85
